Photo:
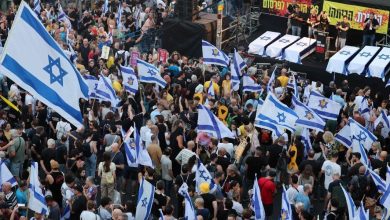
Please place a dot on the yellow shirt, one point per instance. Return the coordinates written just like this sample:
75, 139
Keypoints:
242, 130
226, 86
283, 80
292, 167
215, 85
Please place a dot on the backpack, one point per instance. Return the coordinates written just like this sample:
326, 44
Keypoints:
86, 148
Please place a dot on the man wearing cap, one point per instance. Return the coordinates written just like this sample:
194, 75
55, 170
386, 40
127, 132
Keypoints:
268, 191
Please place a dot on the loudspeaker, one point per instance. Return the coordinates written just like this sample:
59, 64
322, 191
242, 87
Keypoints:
184, 9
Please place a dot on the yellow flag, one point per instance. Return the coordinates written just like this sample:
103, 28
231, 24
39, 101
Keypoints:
9, 103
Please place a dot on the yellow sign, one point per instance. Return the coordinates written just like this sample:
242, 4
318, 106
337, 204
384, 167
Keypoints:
356, 15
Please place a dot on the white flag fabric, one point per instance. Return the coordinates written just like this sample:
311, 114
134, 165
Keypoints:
66, 212
92, 83
131, 149
385, 201
257, 203
382, 118
145, 200
286, 212
210, 90
258, 110
119, 16
203, 175
360, 136
6, 175
364, 109
271, 81
105, 91
143, 156
149, 73
361, 214
344, 136
324, 107
189, 210
307, 118
236, 66
212, 55
249, 85
293, 85
379, 182
105, 6
350, 204
36, 201
276, 115
209, 123
37, 6
306, 140
35, 62
388, 175
130, 81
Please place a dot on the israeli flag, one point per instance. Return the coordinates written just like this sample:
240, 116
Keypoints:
126, 135
130, 81
209, 123
293, 85
36, 201
119, 16
203, 175
211, 55
145, 200
305, 135
105, 91
307, 118
92, 83
388, 175
6, 175
189, 210
210, 90
236, 66
73, 54
382, 118
277, 115
360, 136
149, 73
66, 212
385, 201
34, 61
361, 214
364, 109
257, 204
286, 212
258, 110
37, 6
344, 136
350, 204
271, 81
131, 149
379, 182
388, 83
105, 7
161, 214
62, 17
143, 156
324, 107
249, 85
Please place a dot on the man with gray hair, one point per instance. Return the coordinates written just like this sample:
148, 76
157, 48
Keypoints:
186, 153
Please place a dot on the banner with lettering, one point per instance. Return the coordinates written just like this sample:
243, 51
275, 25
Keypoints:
279, 7
356, 15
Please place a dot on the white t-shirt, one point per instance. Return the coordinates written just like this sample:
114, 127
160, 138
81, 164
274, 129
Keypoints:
293, 192
329, 169
88, 215
29, 100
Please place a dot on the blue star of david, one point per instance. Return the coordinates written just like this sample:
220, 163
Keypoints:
384, 57
144, 202
202, 175
281, 117
365, 54
309, 115
284, 40
265, 38
345, 52
49, 69
323, 103
301, 44
361, 137
130, 80
151, 72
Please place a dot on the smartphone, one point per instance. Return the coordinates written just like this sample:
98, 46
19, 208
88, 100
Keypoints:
21, 205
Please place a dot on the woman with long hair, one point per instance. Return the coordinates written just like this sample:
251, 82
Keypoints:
106, 171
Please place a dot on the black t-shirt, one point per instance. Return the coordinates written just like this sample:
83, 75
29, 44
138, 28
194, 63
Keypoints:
79, 205
343, 34
54, 118
42, 115
61, 153
137, 119
274, 153
294, 21
208, 202
36, 142
224, 162
367, 29
47, 155
118, 159
255, 164
159, 201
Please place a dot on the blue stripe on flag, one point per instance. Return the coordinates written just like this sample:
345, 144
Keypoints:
29, 78
325, 114
309, 123
152, 80
39, 28
214, 122
283, 108
344, 140
213, 60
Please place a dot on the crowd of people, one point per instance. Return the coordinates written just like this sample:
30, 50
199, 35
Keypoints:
86, 167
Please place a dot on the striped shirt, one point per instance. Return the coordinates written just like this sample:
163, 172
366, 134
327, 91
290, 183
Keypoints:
184, 156
10, 199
